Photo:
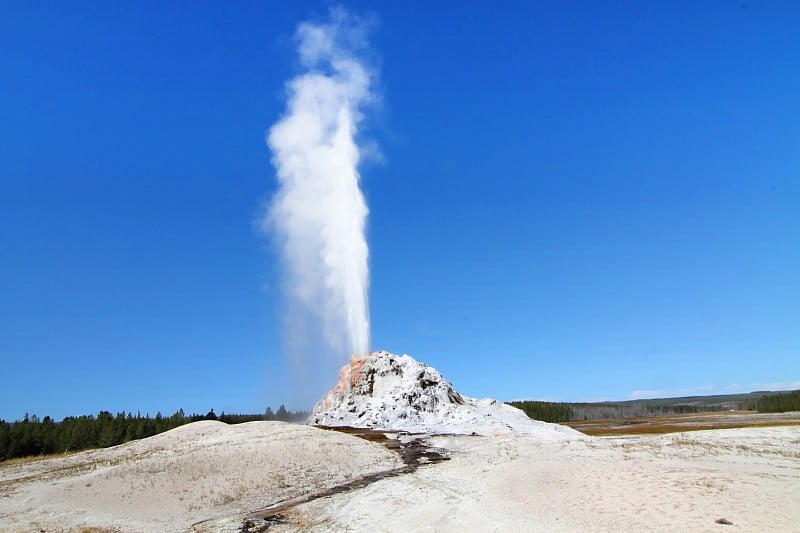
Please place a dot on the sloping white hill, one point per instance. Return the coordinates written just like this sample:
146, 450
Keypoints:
205, 473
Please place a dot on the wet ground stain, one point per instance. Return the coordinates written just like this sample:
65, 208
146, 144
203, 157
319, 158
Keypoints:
414, 451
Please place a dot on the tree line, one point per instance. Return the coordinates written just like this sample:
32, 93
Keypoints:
545, 411
35, 436
778, 403
765, 402
572, 412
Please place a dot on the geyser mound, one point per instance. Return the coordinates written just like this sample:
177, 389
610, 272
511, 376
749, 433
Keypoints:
398, 393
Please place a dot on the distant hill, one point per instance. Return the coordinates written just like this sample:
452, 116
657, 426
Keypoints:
763, 401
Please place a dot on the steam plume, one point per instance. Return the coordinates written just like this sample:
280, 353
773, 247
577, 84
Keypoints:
319, 214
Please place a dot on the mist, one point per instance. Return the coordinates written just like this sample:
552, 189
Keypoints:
318, 215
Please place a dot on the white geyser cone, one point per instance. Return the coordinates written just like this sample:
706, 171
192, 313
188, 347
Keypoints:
397, 393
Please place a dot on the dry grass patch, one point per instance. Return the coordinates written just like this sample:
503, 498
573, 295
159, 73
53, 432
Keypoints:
36, 458
659, 425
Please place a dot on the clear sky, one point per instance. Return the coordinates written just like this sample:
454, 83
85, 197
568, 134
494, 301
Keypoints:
578, 201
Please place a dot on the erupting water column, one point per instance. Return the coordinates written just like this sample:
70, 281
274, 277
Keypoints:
319, 214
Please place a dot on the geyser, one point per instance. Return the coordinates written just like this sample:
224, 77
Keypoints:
318, 214
384, 391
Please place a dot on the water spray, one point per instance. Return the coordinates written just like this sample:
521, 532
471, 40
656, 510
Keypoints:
319, 214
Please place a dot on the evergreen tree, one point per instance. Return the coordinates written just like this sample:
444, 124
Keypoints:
5, 437
282, 414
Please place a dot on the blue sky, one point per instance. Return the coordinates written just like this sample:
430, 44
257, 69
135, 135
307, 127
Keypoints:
577, 201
